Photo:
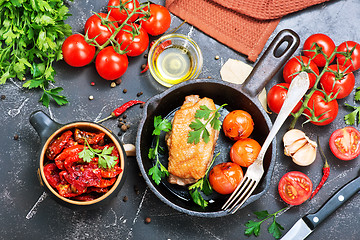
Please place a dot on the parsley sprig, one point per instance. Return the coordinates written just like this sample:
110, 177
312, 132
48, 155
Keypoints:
199, 130
351, 118
202, 185
31, 36
105, 160
253, 227
158, 171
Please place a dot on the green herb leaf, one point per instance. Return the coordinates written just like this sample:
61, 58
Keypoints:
105, 159
262, 214
198, 199
252, 228
275, 229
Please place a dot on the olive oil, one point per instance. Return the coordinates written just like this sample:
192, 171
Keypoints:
174, 64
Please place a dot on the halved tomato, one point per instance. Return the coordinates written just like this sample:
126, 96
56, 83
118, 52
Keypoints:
344, 143
295, 188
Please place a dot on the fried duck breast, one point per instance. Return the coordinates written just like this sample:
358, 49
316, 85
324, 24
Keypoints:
187, 161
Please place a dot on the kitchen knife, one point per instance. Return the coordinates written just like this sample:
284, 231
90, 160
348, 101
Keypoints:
305, 225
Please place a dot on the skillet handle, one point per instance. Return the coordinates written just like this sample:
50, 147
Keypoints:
280, 50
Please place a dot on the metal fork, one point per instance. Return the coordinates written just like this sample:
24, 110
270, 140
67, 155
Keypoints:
298, 87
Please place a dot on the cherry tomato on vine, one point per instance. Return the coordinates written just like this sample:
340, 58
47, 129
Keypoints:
119, 8
297, 64
339, 80
225, 177
111, 65
345, 143
238, 124
244, 152
325, 110
101, 28
76, 51
318, 43
276, 97
159, 20
134, 40
350, 56
295, 188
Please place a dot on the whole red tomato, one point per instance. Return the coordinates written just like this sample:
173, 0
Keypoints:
111, 65
338, 80
133, 39
350, 55
295, 188
345, 143
119, 8
318, 43
225, 177
325, 111
276, 97
76, 51
297, 64
159, 20
94, 27
245, 151
238, 124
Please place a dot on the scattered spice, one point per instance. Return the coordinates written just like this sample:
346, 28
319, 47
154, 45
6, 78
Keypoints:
118, 81
326, 171
209, 77
16, 137
124, 116
217, 57
3, 97
113, 84
125, 90
142, 105
147, 220
118, 111
123, 128
125, 198
145, 55
91, 97
143, 66
136, 189
92, 84
139, 94
120, 133
145, 69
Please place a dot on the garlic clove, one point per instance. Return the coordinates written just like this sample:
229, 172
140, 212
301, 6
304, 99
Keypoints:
291, 149
305, 155
292, 136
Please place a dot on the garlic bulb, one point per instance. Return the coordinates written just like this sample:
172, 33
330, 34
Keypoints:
298, 146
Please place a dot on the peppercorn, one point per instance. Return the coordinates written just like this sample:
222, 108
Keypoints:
118, 81
16, 137
136, 189
139, 94
125, 198
91, 97
120, 133
145, 55
217, 57
147, 220
3, 97
142, 105
123, 128
125, 90
143, 66
124, 116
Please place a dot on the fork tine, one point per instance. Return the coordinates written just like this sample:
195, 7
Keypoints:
239, 189
237, 205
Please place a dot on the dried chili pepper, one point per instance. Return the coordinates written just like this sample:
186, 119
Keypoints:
120, 110
326, 172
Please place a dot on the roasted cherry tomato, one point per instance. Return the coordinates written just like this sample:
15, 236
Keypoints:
159, 20
345, 143
295, 188
317, 43
298, 64
100, 28
118, 9
324, 110
338, 80
245, 151
76, 51
225, 177
276, 97
133, 39
350, 55
238, 124
111, 65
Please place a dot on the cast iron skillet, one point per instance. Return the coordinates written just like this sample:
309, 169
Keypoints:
237, 97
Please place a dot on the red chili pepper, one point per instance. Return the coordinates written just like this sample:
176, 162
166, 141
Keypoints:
326, 172
146, 68
120, 110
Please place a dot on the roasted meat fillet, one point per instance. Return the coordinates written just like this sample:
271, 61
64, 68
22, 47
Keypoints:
188, 162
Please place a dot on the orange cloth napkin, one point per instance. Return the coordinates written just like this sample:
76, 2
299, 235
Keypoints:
243, 25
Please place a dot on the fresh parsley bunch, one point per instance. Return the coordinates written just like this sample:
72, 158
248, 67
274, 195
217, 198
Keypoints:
354, 116
31, 36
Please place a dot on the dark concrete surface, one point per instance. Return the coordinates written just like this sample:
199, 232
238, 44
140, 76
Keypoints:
27, 213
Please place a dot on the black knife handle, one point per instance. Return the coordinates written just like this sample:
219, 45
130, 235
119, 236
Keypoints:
341, 196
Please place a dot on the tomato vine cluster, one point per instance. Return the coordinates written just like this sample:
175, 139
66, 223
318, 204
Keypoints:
110, 38
330, 70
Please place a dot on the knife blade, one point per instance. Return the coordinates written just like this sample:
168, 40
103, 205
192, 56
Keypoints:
306, 225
